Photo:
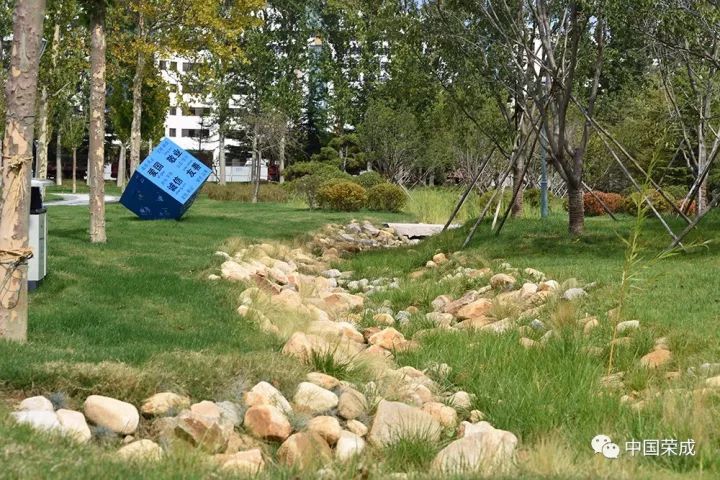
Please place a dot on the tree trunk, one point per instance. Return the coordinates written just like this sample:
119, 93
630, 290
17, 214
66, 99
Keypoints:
58, 159
42, 139
256, 163
96, 152
135, 133
221, 156
518, 178
576, 209
281, 154
74, 172
121, 167
20, 95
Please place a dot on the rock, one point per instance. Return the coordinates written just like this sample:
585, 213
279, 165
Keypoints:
332, 273
478, 308
527, 290
468, 428
502, 280
528, 343
230, 413
440, 319
314, 398
537, 325
396, 420
202, 432
474, 323
351, 404
656, 358
487, 453
461, 400
440, 302
454, 306
73, 424
439, 258
388, 338
476, 416
349, 445
327, 427
164, 403
304, 450
384, 319
501, 326
322, 380
142, 450
42, 420
38, 403
573, 293
267, 422
447, 416
536, 275
713, 382
548, 285
430, 264
207, 409
115, 415
265, 394
357, 427
590, 325
249, 462
627, 325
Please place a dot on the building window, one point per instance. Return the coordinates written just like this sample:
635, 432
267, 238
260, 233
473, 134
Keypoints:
189, 67
173, 132
174, 66
173, 111
195, 133
163, 65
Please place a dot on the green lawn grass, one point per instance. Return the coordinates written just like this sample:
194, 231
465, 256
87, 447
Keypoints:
138, 315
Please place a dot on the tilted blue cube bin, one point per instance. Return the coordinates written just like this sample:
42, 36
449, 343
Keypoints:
165, 185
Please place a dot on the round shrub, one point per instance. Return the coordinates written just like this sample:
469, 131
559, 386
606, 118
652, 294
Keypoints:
386, 197
630, 204
302, 169
308, 186
343, 195
593, 208
369, 179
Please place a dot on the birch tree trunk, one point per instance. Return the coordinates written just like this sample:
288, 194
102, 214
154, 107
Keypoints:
20, 94
58, 159
281, 154
74, 171
135, 133
96, 152
42, 139
221, 156
121, 166
256, 163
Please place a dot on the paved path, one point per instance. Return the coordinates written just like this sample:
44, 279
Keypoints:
78, 199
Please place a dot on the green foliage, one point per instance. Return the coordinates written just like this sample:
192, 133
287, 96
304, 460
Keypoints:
369, 179
73, 131
342, 195
326, 155
243, 192
531, 196
386, 197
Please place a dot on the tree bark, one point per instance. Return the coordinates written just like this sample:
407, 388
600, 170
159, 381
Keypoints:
135, 133
121, 166
576, 209
221, 156
518, 179
256, 163
20, 94
96, 153
42, 138
74, 170
58, 159
281, 154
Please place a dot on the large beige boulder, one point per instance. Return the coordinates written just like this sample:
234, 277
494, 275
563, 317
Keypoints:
304, 450
265, 394
249, 462
207, 409
335, 331
327, 427
502, 280
42, 420
322, 380
447, 416
388, 338
141, 450
490, 452
357, 427
267, 422
478, 308
38, 403
454, 306
351, 404
202, 432
395, 420
348, 446
314, 399
74, 425
120, 417
164, 403
656, 359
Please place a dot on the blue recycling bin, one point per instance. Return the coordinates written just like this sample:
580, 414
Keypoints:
165, 185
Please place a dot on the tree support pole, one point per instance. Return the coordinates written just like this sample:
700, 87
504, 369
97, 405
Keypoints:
464, 196
603, 204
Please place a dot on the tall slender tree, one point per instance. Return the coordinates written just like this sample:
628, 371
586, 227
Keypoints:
20, 96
